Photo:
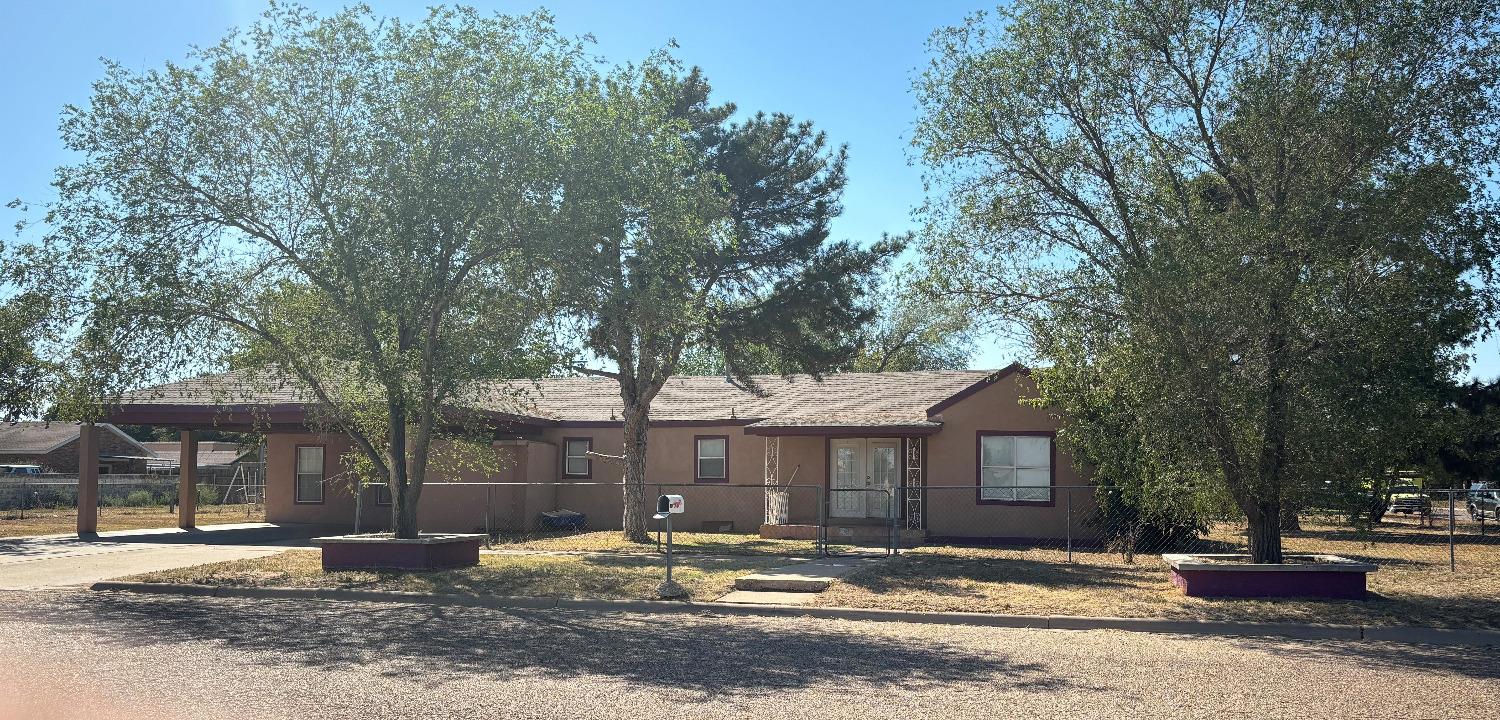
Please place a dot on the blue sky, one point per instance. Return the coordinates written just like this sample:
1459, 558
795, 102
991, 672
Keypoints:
845, 65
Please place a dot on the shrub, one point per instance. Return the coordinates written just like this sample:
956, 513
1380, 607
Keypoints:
139, 498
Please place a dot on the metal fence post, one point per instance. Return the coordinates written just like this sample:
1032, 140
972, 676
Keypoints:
1452, 559
822, 533
890, 510
1068, 504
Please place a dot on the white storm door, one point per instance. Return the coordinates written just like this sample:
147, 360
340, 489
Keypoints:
846, 473
883, 475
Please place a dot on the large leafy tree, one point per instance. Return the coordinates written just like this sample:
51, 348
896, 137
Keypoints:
1246, 239
911, 330
695, 231
346, 204
25, 377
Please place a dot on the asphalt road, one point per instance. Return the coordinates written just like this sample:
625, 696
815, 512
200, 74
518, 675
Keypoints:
77, 654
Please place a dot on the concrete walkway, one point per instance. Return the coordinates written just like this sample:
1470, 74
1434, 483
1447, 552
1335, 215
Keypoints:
795, 584
51, 561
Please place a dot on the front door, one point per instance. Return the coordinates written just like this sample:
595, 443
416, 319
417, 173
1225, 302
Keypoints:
863, 474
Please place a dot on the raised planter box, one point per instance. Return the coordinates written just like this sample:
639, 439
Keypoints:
1320, 576
382, 551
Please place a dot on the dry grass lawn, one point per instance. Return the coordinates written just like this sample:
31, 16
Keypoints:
65, 520
613, 541
568, 576
1412, 587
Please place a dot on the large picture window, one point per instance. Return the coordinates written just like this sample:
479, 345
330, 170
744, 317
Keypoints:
576, 460
309, 486
711, 458
1015, 468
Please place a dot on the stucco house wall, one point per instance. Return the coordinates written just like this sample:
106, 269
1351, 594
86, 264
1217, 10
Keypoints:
952, 506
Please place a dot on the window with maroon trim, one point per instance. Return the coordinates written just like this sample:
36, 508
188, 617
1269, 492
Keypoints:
711, 458
576, 460
309, 474
1015, 468
383, 494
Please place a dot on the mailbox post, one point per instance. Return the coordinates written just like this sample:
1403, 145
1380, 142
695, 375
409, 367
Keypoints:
666, 507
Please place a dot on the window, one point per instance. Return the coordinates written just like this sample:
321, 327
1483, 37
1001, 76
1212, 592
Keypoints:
383, 494
711, 458
309, 474
576, 460
1015, 468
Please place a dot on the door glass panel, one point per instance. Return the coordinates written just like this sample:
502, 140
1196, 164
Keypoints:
847, 498
882, 475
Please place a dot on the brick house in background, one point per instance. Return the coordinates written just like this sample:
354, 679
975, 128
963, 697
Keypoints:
54, 447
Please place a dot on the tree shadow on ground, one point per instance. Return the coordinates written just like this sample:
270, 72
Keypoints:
1471, 661
680, 652
932, 572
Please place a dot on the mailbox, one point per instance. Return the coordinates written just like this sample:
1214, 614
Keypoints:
666, 504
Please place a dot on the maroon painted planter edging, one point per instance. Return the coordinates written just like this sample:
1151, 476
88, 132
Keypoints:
1334, 578
372, 552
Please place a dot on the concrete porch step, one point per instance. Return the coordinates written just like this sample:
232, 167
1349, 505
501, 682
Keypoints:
808, 577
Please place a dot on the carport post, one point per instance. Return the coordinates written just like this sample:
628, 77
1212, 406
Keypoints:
88, 480
187, 482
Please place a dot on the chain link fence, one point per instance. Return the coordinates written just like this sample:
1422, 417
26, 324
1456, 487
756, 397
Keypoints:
48, 503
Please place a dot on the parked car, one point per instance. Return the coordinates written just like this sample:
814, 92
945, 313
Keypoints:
1484, 501
1410, 500
20, 470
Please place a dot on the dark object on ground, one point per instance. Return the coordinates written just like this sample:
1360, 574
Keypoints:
382, 551
562, 520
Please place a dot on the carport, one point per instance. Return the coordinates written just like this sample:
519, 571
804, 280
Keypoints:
188, 420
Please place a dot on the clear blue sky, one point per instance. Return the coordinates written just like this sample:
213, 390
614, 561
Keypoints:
845, 65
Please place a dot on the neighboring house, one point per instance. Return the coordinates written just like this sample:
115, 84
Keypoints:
964, 437
214, 456
54, 447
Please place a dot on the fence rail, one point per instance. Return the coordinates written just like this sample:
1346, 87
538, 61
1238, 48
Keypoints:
1430, 526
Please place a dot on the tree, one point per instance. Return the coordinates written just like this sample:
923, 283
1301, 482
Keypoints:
910, 330
1470, 448
698, 232
914, 330
345, 204
25, 376
1259, 232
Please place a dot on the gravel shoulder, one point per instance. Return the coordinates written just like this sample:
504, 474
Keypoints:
126, 656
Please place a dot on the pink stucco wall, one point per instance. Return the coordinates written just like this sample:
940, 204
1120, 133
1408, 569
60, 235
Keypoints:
952, 507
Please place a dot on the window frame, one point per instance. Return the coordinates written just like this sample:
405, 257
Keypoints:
979, 486
588, 474
697, 458
296, 475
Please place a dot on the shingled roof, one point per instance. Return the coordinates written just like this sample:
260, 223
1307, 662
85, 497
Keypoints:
851, 399
40, 437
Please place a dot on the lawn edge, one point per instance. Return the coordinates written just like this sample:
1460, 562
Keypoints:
1299, 631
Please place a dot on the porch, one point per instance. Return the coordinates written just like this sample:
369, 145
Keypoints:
872, 488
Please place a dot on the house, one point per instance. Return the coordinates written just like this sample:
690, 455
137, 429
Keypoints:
214, 457
54, 447
939, 453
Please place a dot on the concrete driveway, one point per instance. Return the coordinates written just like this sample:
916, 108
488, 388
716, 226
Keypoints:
57, 561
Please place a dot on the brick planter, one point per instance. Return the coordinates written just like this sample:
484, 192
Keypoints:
1319, 576
381, 551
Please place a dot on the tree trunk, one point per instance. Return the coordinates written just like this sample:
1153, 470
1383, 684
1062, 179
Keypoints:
404, 512
1265, 533
634, 521
406, 488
